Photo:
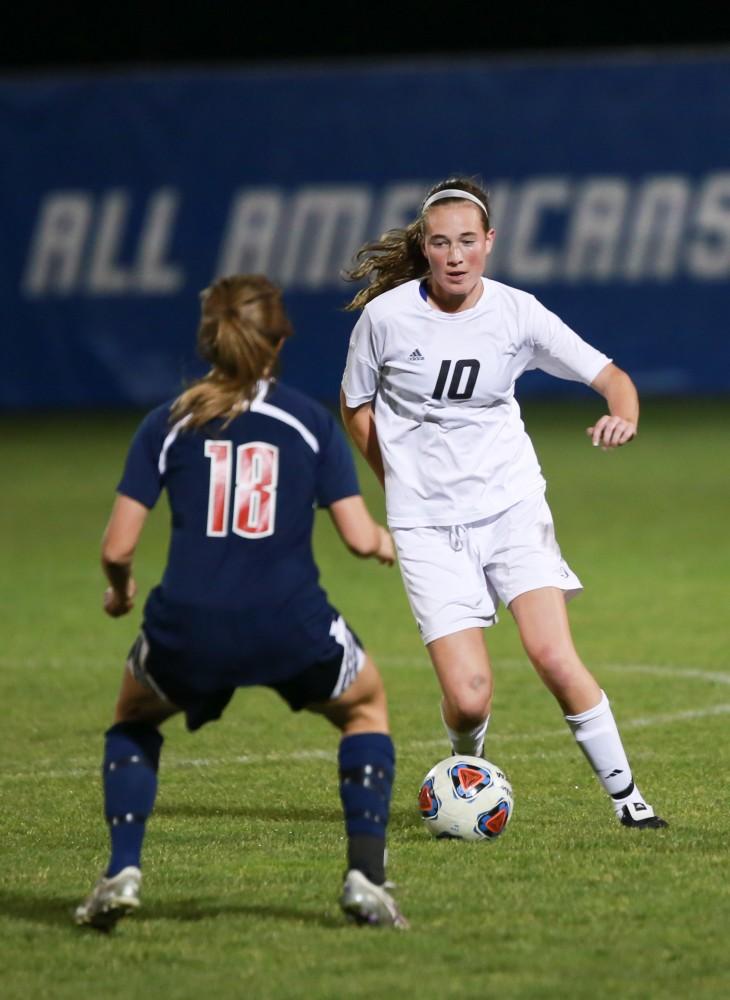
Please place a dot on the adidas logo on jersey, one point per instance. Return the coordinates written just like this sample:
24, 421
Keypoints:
415, 356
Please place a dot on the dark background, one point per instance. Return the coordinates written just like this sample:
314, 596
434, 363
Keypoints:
43, 40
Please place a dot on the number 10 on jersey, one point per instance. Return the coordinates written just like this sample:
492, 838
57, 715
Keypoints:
254, 495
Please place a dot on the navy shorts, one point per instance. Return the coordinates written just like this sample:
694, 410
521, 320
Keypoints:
163, 671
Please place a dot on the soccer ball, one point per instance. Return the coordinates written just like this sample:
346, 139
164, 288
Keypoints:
465, 798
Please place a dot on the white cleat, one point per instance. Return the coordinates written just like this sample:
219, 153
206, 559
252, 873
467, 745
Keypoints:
367, 903
110, 899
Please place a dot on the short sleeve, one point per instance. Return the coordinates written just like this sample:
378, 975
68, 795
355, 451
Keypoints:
560, 351
362, 369
336, 474
142, 477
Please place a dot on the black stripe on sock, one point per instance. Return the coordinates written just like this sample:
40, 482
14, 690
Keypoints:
626, 792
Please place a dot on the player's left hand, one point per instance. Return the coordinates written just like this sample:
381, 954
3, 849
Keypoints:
611, 432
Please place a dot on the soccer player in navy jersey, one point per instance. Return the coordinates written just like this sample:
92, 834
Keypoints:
244, 461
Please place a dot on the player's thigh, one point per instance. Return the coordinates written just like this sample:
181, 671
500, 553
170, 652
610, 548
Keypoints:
362, 707
542, 620
138, 702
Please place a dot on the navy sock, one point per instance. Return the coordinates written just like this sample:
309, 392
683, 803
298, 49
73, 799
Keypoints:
131, 760
367, 766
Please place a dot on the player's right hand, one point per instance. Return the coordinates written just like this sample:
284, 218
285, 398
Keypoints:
386, 550
115, 604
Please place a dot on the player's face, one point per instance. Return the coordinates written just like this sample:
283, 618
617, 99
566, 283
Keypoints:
456, 246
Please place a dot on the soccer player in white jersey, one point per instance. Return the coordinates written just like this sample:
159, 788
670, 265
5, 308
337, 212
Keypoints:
428, 398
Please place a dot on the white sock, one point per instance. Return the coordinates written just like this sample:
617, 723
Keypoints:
597, 735
469, 742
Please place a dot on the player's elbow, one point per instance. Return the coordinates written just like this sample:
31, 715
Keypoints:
355, 418
346, 412
116, 553
612, 378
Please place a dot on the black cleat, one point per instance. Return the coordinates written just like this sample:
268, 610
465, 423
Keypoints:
641, 819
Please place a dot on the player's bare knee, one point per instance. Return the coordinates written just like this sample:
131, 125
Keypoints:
145, 707
371, 718
362, 707
468, 707
547, 657
556, 666
361, 716
371, 710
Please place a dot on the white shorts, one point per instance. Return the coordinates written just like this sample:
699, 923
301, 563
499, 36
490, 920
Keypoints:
456, 576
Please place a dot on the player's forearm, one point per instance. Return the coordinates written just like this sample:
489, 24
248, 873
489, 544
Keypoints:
119, 595
117, 573
363, 536
120, 542
117, 554
620, 393
365, 539
361, 428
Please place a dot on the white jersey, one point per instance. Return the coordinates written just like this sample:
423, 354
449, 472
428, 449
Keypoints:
442, 385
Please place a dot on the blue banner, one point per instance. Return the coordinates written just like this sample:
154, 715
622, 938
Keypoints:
123, 196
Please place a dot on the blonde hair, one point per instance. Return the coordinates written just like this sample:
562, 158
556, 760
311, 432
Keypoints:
397, 256
242, 325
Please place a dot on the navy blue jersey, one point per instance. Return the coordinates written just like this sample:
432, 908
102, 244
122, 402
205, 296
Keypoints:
241, 584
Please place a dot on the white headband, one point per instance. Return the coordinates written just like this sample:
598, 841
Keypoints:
455, 193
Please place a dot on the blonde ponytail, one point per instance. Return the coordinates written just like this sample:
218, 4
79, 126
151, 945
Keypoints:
242, 325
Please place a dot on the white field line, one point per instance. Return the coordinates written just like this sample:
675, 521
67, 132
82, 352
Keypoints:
717, 676
170, 762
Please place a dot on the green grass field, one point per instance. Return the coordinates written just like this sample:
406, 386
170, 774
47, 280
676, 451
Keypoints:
245, 853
